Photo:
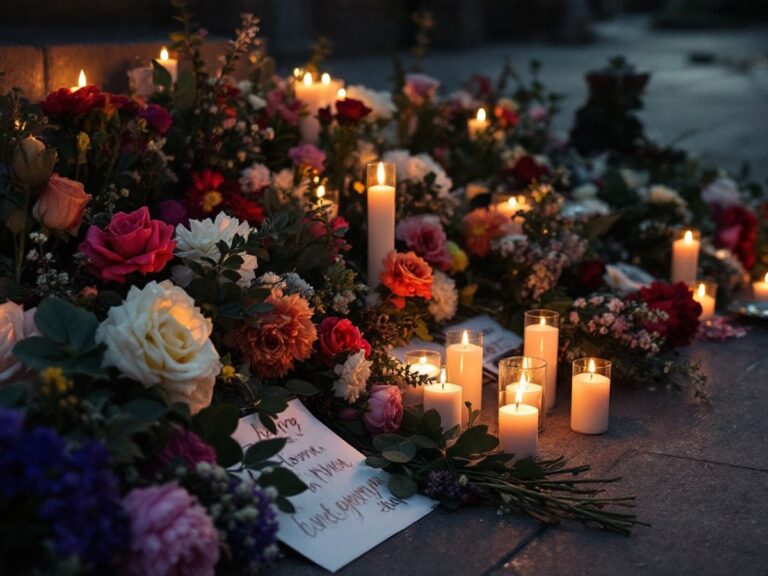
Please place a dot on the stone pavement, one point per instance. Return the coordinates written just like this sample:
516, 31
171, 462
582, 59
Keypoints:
718, 111
700, 474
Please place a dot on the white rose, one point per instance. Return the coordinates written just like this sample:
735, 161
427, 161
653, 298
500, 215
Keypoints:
380, 103
660, 194
445, 298
353, 376
199, 241
723, 191
158, 337
15, 325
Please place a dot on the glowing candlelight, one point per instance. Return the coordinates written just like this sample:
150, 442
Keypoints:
590, 398
381, 217
170, 64
760, 289
81, 82
464, 361
685, 257
478, 124
445, 398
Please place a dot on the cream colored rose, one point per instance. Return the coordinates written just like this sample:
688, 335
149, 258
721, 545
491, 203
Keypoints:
158, 337
15, 325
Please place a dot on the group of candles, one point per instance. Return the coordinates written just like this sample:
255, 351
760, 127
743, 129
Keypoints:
527, 384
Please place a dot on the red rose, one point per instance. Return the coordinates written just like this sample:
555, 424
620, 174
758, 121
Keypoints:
591, 273
683, 311
406, 275
245, 209
325, 115
528, 169
337, 335
737, 231
350, 111
130, 243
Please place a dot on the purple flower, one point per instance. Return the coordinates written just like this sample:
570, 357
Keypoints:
172, 212
157, 118
308, 155
445, 486
171, 533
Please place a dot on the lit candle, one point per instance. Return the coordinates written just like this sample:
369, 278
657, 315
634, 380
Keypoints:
590, 396
170, 64
315, 95
423, 366
81, 82
685, 257
478, 124
326, 203
446, 400
381, 217
341, 94
542, 337
531, 393
464, 361
519, 426
760, 289
704, 294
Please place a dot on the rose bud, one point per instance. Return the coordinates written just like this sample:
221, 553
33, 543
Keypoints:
61, 204
32, 164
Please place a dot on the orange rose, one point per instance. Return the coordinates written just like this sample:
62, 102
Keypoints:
406, 275
61, 204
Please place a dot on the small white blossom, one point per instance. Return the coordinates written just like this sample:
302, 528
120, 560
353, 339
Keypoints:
353, 376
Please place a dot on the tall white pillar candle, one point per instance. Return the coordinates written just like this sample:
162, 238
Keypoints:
464, 362
685, 257
170, 64
542, 338
446, 399
381, 217
590, 396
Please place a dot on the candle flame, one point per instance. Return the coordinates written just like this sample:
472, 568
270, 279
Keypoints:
320, 191
481, 115
542, 321
81, 82
164, 54
297, 72
325, 79
380, 173
521, 389
688, 237
591, 366
423, 360
307, 79
341, 94
512, 202
702, 291
465, 339
766, 277
442, 378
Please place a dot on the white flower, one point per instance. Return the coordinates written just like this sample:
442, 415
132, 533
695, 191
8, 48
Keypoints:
445, 297
159, 338
722, 191
660, 194
380, 103
15, 325
199, 241
585, 208
416, 168
353, 376
256, 102
625, 278
272, 280
255, 178
283, 182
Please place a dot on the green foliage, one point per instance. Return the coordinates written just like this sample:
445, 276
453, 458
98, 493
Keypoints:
215, 425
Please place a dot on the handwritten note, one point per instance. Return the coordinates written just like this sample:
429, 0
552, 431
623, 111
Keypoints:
347, 509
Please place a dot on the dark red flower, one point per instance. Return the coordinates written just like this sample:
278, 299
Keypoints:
350, 111
325, 115
245, 209
480, 86
337, 335
157, 118
590, 274
683, 311
205, 197
528, 169
64, 101
737, 231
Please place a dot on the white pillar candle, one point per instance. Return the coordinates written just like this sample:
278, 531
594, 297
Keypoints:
542, 341
478, 124
590, 401
531, 393
685, 258
315, 95
381, 219
519, 430
760, 289
464, 362
707, 302
170, 64
424, 368
446, 399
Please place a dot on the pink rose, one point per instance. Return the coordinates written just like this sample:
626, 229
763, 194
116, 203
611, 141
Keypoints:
130, 243
308, 155
171, 533
425, 236
419, 88
61, 204
385, 409
15, 325
337, 335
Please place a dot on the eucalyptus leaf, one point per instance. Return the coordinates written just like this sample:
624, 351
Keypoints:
402, 486
401, 453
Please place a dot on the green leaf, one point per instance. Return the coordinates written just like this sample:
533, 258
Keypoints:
384, 441
402, 486
160, 76
264, 450
228, 452
401, 453
424, 443
284, 505
13, 395
473, 441
40, 353
301, 387
66, 324
216, 421
286, 482
528, 469
144, 410
376, 462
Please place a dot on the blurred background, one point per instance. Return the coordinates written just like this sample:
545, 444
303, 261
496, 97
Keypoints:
708, 58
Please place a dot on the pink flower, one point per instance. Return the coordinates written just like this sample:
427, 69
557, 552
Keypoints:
15, 324
308, 155
171, 534
419, 88
385, 409
425, 236
538, 113
130, 243
481, 226
61, 204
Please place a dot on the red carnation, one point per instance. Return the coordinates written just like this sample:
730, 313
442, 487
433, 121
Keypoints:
350, 111
683, 311
737, 231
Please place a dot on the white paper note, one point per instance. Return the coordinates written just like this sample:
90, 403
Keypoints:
348, 509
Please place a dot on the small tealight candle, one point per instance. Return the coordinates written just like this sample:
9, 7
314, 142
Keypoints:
446, 399
478, 124
81, 82
590, 396
760, 289
424, 362
685, 257
464, 362
519, 426
705, 293
170, 64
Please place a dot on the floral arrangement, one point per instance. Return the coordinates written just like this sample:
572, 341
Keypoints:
169, 264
